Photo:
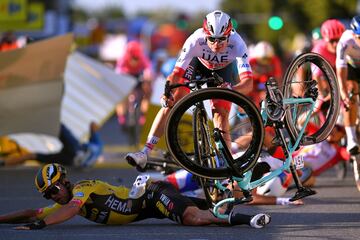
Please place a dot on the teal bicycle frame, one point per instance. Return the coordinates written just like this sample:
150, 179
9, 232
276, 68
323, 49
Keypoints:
244, 182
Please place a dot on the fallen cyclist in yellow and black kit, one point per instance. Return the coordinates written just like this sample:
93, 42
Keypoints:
104, 203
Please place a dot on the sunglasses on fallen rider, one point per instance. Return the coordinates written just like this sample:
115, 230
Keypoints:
53, 190
214, 39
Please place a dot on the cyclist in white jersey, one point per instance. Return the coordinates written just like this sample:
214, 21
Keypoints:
216, 47
348, 73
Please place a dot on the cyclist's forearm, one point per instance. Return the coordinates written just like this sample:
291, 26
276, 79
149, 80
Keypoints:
263, 200
64, 213
245, 86
342, 78
22, 216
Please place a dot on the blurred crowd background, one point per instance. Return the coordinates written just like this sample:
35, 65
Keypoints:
102, 28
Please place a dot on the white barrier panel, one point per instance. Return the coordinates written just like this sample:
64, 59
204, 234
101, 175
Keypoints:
92, 91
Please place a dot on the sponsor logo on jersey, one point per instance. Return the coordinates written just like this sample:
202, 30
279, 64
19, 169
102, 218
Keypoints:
166, 201
116, 205
202, 43
215, 58
79, 194
189, 72
77, 201
245, 55
162, 208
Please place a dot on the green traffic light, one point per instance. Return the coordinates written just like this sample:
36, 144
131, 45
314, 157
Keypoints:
275, 23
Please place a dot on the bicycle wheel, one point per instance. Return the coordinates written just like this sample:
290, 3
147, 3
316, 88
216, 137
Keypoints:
203, 153
241, 128
310, 75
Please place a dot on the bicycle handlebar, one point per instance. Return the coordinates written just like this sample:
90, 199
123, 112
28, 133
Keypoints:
193, 84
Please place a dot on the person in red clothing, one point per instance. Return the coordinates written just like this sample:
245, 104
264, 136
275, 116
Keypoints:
8, 42
135, 62
264, 64
331, 31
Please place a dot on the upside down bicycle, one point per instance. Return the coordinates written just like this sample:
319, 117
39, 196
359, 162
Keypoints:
230, 152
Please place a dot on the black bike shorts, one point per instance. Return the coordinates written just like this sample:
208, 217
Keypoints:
353, 73
163, 200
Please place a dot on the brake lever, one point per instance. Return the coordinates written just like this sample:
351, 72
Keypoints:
167, 90
217, 79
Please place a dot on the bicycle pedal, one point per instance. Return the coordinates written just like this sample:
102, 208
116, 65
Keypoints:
301, 193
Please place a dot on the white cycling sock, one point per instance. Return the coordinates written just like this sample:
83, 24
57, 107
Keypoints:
150, 143
351, 135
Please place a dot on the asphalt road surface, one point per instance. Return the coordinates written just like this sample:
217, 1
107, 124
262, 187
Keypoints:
333, 213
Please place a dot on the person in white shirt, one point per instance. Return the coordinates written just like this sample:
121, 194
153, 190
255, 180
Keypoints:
216, 47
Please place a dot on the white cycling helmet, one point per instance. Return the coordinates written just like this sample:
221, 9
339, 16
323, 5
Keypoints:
217, 24
263, 49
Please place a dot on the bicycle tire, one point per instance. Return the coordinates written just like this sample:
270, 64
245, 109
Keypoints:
244, 161
203, 154
306, 63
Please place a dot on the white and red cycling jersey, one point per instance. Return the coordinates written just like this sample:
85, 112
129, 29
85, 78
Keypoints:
322, 156
347, 51
196, 46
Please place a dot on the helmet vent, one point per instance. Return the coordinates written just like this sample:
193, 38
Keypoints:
211, 29
222, 29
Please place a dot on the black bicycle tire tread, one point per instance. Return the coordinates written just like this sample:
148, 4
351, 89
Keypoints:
251, 156
325, 130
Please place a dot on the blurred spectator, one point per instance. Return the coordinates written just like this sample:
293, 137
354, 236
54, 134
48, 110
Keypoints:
135, 62
264, 64
8, 41
96, 37
175, 37
168, 66
160, 56
72, 153
331, 31
98, 32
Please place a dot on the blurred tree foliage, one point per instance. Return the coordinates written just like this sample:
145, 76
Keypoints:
298, 16
110, 12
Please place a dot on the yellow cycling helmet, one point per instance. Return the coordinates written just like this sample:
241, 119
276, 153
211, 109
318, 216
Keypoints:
48, 175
